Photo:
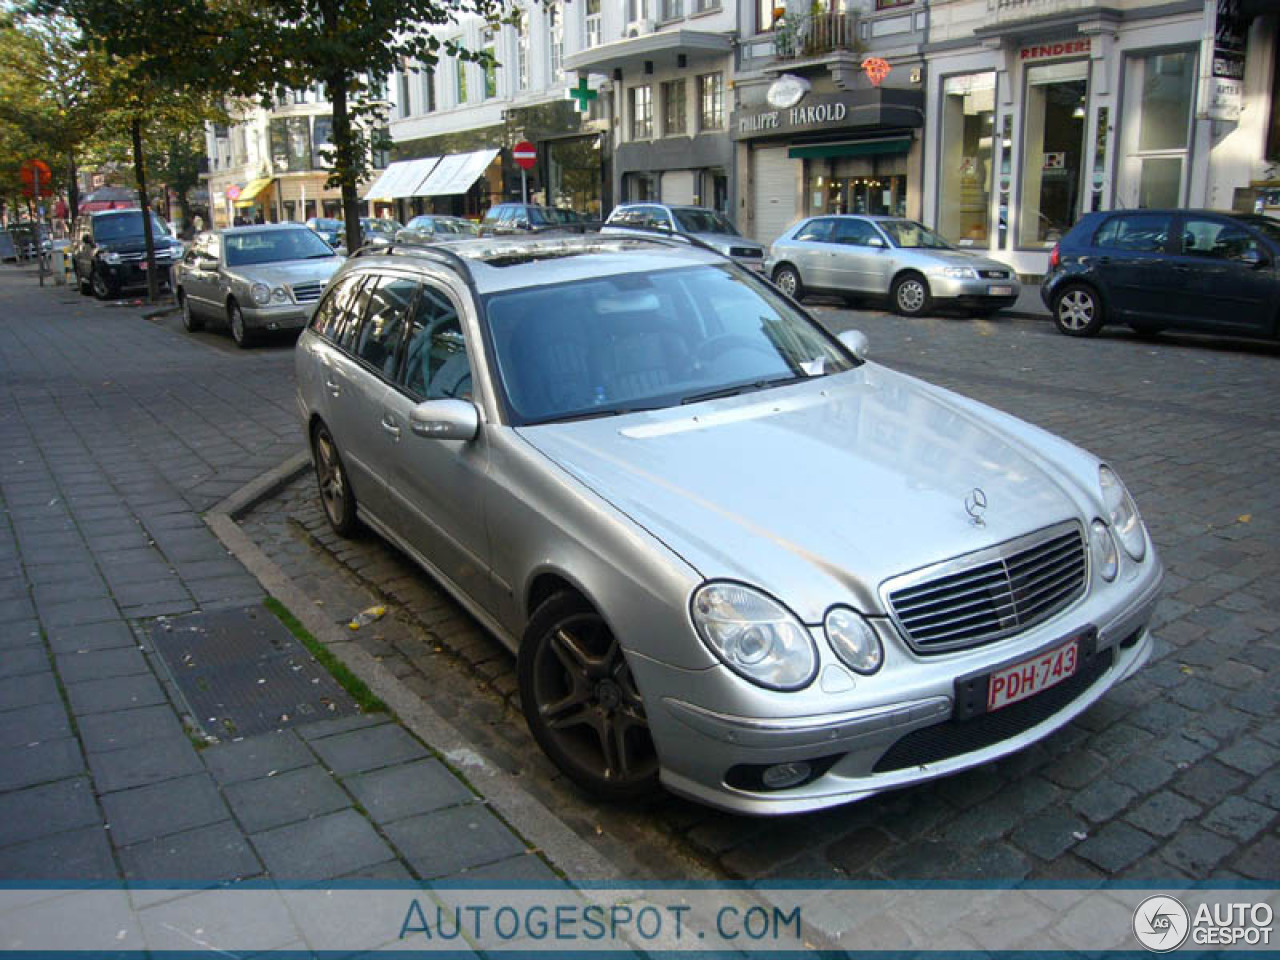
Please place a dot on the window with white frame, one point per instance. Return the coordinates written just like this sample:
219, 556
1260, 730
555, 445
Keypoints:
460, 66
428, 89
641, 113
1155, 132
705, 6
489, 47
555, 28
403, 108
672, 9
595, 26
710, 101
637, 9
522, 51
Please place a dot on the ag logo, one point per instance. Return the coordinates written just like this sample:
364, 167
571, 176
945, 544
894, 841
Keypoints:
1161, 923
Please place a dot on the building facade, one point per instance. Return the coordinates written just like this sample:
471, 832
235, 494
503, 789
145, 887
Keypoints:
1039, 111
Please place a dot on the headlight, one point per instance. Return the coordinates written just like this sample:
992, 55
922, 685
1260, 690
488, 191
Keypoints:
261, 293
110, 256
1123, 513
755, 636
854, 640
278, 295
1104, 550
960, 273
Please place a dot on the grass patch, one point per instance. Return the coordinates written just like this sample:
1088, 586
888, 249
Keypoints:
357, 688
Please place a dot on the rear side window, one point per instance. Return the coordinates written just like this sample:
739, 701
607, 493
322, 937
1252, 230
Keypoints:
818, 231
1142, 232
383, 327
1218, 240
331, 314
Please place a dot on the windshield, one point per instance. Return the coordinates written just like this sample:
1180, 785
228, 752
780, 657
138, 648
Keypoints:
541, 216
273, 246
326, 224
382, 225
703, 221
565, 216
611, 345
911, 235
123, 226
463, 227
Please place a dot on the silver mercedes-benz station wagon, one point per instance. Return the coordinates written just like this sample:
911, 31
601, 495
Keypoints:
730, 553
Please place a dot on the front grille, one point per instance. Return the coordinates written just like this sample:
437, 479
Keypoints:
953, 738
139, 257
994, 274
990, 594
307, 292
745, 252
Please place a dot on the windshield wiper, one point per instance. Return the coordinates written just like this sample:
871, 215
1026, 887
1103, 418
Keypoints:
605, 412
317, 256
741, 388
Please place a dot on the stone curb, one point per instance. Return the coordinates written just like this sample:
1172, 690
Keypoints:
538, 825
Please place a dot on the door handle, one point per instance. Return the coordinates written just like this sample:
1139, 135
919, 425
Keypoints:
389, 426
334, 387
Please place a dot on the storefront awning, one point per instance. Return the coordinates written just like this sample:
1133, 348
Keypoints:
456, 173
401, 179
248, 196
855, 148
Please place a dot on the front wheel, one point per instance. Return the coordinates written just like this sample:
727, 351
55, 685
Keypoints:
787, 279
103, 289
911, 296
1077, 311
81, 283
240, 333
581, 702
190, 322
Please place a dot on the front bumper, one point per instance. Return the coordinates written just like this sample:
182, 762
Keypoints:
284, 316
985, 292
714, 755
132, 273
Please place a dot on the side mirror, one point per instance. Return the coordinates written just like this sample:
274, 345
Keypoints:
875, 242
856, 342
447, 419
1254, 258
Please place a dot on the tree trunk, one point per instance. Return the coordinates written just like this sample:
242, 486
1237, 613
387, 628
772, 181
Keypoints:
344, 157
139, 168
73, 187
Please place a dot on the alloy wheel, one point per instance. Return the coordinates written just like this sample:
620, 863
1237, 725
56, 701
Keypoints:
239, 332
1076, 309
911, 296
99, 285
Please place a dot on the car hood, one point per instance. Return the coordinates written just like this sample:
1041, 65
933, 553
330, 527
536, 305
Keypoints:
287, 272
959, 258
819, 492
723, 241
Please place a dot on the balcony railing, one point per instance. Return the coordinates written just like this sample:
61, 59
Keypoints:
815, 35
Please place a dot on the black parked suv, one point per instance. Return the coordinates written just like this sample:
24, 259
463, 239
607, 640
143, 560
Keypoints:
1151, 269
511, 218
109, 253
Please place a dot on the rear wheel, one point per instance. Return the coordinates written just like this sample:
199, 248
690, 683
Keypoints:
335, 491
190, 322
81, 283
787, 279
1078, 311
911, 296
240, 333
581, 702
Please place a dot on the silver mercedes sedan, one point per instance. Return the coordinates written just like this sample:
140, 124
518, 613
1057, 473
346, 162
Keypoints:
730, 553
887, 257
255, 279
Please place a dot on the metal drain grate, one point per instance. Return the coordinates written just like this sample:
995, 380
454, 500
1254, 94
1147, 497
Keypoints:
242, 672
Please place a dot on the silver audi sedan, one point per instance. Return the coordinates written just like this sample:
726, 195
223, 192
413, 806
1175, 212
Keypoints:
730, 553
887, 257
255, 279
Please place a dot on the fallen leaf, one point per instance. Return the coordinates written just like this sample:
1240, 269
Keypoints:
1245, 517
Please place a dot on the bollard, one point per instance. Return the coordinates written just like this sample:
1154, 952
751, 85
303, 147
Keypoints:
59, 264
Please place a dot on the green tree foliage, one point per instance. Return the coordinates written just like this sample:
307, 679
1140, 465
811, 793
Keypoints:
254, 48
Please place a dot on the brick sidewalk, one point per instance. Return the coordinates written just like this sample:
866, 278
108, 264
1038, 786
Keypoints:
114, 434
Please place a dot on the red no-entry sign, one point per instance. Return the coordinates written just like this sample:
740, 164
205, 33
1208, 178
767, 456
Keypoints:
525, 154
36, 172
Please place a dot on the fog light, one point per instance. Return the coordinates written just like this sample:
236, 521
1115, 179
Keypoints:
783, 775
1104, 550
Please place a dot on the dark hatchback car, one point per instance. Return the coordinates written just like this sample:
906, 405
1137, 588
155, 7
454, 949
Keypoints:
1195, 270
109, 253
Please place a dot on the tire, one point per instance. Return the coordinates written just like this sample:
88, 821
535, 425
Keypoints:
336, 495
787, 279
190, 322
581, 702
81, 284
103, 288
1078, 310
910, 295
240, 332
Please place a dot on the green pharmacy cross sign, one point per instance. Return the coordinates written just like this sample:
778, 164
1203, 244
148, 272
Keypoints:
583, 94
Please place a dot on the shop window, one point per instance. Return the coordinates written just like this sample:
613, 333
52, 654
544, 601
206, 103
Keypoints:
641, 113
710, 101
965, 174
673, 108
1156, 128
640, 188
1052, 151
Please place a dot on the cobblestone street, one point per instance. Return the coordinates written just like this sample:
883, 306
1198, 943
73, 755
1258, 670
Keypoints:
1173, 775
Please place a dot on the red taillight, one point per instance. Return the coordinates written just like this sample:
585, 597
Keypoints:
1055, 258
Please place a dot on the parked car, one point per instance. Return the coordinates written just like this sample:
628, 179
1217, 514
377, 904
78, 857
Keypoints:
1154, 269
333, 232
108, 254
710, 227
509, 218
436, 228
572, 218
729, 553
258, 278
379, 231
890, 257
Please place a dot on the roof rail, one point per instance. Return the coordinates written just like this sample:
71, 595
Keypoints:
648, 232
435, 252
